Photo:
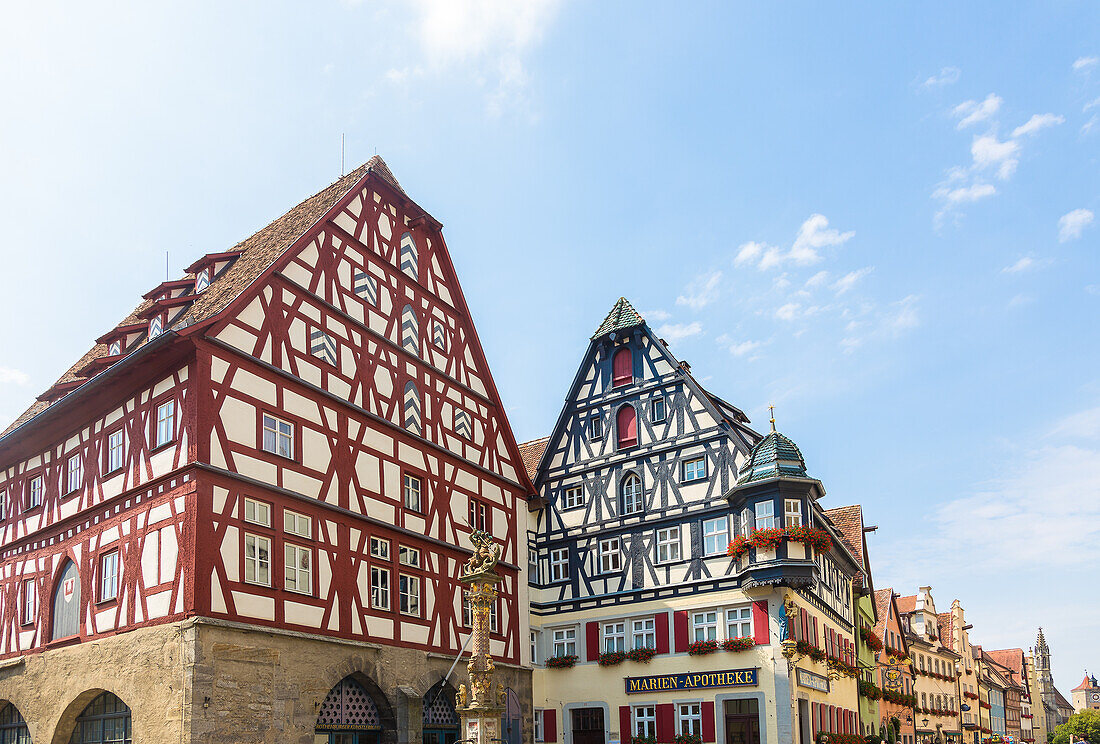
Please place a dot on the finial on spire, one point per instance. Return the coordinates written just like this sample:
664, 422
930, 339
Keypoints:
772, 409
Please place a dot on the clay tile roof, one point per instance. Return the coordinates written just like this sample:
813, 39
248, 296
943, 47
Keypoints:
947, 629
258, 252
907, 604
882, 610
1062, 702
1010, 658
849, 522
622, 316
531, 452
1086, 684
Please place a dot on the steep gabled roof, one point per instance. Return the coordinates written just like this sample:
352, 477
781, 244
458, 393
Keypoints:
622, 316
849, 522
884, 600
1061, 700
1086, 684
1010, 658
907, 604
946, 622
531, 452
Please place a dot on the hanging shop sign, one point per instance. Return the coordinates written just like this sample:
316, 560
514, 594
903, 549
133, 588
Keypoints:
691, 681
813, 681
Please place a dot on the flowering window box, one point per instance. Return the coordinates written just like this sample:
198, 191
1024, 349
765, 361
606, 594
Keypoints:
562, 662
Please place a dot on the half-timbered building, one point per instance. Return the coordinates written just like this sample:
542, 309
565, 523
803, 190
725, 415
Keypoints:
641, 623
240, 515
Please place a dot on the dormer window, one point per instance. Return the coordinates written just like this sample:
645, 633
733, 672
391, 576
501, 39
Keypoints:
115, 348
622, 367
156, 327
202, 281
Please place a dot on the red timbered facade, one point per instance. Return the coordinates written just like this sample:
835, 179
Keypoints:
297, 436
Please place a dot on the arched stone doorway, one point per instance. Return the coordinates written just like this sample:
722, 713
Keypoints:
65, 620
441, 722
511, 723
13, 729
355, 712
105, 720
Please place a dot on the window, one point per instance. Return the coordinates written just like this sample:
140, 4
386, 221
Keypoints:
278, 436
365, 286
298, 568
643, 633
565, 642
657, 410
411, 489
668, 544
202, 281
166, 422
257, 560
380, 587
739, 622
74, 474
705, 625
574, 497
4, 503
645, 721
611, 557
595, 428
691, 719
716, 536
297, 524
536, 722
116, 450
631, 494
746, 523
479, 515
626, 422
535, 650
559, 564
380, 548
407, 556
108, 576
410, 595
614, 637
35, 492
694, 469
792, 509
257, 512
622, 366
30, 601
765, 515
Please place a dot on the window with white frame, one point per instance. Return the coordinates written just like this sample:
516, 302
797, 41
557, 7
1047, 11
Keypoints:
35, 492
690, 719
74, 474
792, 512
380, 587
257, 512
4, 503
704, 625
410, 595
668, 544
297, 524
322, 346
380, 548
645, 721
108, 576
746, 523
536, 723
631, 492
565, 642
257, 560
534, 647
559, 564
116, 450
574, 497
278, 436
716, 535
595, 428
614, 637
407, 556
411, 489
657, 410
299, 568
611, 556
30, 601
694, 469
739, 622
765, 515
643, 633
166, 422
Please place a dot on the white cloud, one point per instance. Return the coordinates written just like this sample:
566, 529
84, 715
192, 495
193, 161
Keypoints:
1089, 125
818, 279
904, 315
749, 252
673, 332
973, 112
1084, 63
781, 282
965, 194
1036, 123
1020, 300
10, 376
946, 76
738, 348
1072, 224
846, 282
1091, 104
988, 152
1081, 425
657, 316
788, 311
815, 233
701, 292
1023, 264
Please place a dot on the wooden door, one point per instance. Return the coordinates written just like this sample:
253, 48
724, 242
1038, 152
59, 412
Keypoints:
588, 726
66, 604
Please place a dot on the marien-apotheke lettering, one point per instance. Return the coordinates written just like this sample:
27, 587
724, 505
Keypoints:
691, 681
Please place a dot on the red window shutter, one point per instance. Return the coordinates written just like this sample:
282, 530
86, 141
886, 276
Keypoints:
760, 632
660, 626
815, 718
666, 723
708, 721
680, 628
804, 618
549, 725
592, 640
622, 366
625, 732
816, 639
832, 719
627, 420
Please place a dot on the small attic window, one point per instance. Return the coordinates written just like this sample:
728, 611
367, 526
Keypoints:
115, 348
156, 327
202, 281
622, 367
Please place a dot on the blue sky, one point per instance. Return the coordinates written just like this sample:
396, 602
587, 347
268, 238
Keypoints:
878, 218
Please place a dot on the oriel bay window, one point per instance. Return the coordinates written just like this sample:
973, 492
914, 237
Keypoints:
35, 496
116, 450
257, 560
166, 423
614, 637
792, 509
74, 474
765, 515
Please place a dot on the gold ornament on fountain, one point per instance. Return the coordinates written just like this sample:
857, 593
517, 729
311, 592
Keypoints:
480, 707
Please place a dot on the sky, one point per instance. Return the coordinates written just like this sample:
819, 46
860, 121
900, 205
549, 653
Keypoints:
879, 218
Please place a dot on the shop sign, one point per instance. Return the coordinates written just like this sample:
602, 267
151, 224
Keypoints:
691, 681
813, 681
